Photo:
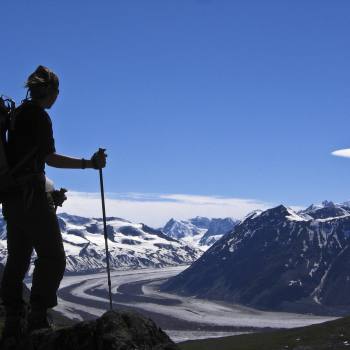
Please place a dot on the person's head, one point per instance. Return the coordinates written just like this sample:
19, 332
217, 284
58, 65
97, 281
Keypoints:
43, 86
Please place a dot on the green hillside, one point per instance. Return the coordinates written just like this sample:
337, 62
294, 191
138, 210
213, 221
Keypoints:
328, 335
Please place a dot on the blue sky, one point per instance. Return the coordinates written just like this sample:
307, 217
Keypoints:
224, 99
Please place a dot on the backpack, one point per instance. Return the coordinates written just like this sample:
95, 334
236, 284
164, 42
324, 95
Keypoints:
7, 107
8, 180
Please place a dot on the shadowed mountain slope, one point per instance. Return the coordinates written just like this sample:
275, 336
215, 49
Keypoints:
278, 259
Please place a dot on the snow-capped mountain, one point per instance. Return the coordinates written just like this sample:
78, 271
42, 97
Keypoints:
130, 245
217, 228
2, 228
3, 244
199, 231
326, 210
180, 229
278, 259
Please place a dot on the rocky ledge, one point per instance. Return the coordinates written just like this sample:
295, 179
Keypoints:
112, 331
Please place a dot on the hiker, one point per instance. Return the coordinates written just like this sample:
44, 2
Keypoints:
30, 212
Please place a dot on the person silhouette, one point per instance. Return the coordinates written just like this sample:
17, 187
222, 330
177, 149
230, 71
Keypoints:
30, 213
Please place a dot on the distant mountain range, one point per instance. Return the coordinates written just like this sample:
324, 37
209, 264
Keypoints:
278, 259
200, 232
130, 244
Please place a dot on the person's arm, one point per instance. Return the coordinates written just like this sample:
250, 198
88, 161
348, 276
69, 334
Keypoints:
60, 161
56, 160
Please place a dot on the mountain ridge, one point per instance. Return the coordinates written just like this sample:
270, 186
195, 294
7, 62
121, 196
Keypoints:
277, 259
130, 245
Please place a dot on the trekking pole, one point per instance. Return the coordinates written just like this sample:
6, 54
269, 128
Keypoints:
101, 150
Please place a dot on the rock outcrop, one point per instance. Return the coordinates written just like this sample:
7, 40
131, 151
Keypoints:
112, 331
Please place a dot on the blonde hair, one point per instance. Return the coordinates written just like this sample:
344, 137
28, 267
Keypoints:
42, 82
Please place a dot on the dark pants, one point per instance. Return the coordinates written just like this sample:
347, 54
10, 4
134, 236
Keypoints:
32, 223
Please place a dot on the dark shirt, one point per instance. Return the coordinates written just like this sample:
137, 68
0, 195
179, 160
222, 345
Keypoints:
32, 128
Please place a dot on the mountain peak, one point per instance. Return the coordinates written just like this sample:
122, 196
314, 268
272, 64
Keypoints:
199, 231
328, 204
282, 211
327, 210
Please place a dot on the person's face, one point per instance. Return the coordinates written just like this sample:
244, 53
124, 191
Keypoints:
51, 99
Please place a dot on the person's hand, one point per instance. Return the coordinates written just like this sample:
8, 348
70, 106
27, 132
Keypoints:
98, 159
59, 196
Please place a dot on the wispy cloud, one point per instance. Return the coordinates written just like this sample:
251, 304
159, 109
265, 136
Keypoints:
342, 153
156, 209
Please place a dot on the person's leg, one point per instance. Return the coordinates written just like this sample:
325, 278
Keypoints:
19, 249
49, 265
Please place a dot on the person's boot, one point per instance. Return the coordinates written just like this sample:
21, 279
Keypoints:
14, 327
38, 319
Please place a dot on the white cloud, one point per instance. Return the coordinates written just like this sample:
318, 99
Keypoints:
342, 153
156, 209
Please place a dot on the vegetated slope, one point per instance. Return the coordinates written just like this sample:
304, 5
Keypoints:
278, 259
331, 335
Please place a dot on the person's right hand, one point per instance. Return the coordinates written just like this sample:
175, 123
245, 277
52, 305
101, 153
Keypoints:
59, 196
98, 159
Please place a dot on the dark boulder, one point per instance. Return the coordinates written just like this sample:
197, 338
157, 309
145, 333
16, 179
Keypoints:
113, 331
